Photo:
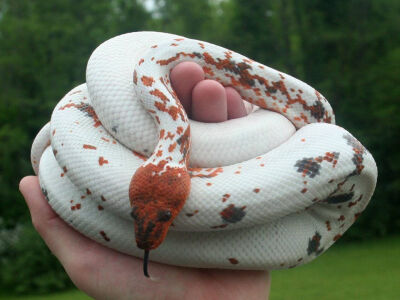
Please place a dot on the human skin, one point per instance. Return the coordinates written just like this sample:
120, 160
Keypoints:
103, 273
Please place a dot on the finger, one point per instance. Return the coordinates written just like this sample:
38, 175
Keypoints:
209, 102
184, 77
38, 207
235, 104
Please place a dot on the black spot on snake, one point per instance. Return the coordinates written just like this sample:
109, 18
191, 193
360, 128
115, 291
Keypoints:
317, 110
314, 243
308, 166
233, 214
340, 198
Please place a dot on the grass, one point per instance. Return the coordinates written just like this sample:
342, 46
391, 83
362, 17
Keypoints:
366, 270
68, 295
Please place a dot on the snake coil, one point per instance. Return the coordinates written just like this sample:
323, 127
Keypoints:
271, 190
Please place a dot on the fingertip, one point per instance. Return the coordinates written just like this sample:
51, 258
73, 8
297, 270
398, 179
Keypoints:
38, 206
25, 183
209, 102
235, 105
184, 76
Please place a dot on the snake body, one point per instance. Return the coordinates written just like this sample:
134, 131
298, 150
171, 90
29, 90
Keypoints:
272, 190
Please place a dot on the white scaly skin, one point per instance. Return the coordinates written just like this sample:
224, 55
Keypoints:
268, 191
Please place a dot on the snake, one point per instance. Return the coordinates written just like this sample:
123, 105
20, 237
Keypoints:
122, 163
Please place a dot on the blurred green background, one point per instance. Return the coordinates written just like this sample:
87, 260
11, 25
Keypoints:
349, 50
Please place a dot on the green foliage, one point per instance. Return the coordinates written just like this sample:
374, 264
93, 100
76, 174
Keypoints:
367, 270
348, 50
27, 265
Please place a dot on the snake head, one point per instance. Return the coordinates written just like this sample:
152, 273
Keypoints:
157, 195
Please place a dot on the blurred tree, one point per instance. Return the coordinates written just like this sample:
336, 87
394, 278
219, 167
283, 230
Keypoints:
187, 17
44, 48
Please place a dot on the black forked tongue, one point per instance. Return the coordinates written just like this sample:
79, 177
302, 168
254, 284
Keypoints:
146, 262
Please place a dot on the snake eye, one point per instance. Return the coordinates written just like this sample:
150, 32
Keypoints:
164, 215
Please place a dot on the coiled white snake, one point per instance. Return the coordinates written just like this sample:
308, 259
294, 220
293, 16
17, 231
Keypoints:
271, 190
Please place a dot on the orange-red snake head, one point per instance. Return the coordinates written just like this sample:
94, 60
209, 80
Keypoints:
157, 194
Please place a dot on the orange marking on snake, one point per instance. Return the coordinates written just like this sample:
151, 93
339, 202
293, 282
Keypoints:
159, 153
91, 147
141, 61
214, 173
256, 190
151, 194
208, 71
105, 139
76, 206
162, 132
134, 77
328, 225
104, 235
336, 237
233, 261
173, 111
164, 62
140, 156
192, 214
219, 226
356, 215
147, 81
88, 192
160, 95
183, 141
99, 207
102, 161
172, 147
154, 46
170, 135
85, 108
225, 197
65, 171
171, 91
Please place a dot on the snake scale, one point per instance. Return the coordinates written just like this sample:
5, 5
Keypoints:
120, 161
